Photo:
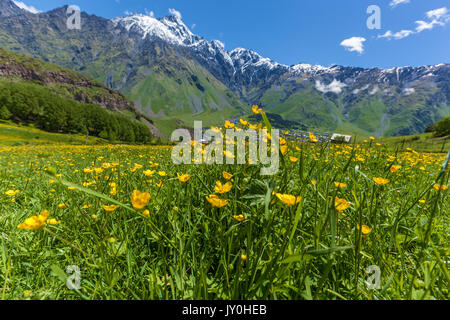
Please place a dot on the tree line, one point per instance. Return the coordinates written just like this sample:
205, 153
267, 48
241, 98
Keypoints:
31, 103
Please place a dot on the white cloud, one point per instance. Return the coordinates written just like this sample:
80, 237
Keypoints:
149, 13
397, 35
437, 13
23, 6
439, 17
335, 86
423, 25
354, 44
395, 3
175, 13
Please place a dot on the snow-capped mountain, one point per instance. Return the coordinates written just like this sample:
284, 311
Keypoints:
169, 71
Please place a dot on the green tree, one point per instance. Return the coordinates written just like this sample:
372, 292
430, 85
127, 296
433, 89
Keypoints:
442, 128
4, 113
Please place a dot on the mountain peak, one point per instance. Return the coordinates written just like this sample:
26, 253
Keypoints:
9, 8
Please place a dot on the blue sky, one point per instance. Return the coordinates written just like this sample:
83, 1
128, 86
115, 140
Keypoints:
310, 31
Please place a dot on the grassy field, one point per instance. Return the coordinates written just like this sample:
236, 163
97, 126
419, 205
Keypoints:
136, 226
16, 135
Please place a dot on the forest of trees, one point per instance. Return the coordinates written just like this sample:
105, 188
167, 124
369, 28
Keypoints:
31, 103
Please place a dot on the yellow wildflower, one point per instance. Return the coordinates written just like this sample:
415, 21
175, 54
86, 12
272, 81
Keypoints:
381, 181
183, 177
288, 199
110, 208
223, 188
217, 202
139, 199
341, 204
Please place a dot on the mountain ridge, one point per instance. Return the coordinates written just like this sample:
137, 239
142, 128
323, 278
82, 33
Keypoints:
168, 71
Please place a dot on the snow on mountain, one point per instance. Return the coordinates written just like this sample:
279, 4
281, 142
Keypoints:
170, 28
25, 7
242, 66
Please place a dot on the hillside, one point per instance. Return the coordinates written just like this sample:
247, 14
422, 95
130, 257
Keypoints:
59, 100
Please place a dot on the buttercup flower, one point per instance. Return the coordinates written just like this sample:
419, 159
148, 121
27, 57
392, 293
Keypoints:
341, 204
439, 187
256, 110
381, 181
223, 188
340, 185
239, 217
365, 230
110, 208
216, 202
35, 222
288, 199
227, 175
12, 193
183, 178
312, 137
139, 200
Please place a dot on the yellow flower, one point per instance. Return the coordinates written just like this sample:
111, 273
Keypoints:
365, 230
243, 122
162, 173
53, 222
372, 138
288, 199
227, 175
139, 200
394, 169
314, 182
160, 185
293, 159
229, 125
183, 178
87, 206
149, 173
35, 222
422, 201
381, 181
256, 110
146, 213
12, 193
341, 204
239, 218
223, 188
312, 137
62, 206
110, 208
243, 257
88, 170
216, 202
284, 149
439, 187
340, 185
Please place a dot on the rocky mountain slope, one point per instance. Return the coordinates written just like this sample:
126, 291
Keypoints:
171, 73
